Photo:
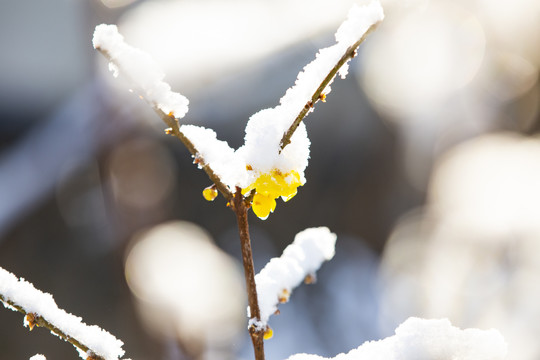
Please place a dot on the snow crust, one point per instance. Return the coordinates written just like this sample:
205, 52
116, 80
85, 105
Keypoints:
280, 276
421, 339
140, 69
32, 300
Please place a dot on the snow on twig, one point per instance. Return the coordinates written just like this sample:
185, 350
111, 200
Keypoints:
140, 69
41, 310
299, 260
276, 128
417, 339
270, 130
230, 168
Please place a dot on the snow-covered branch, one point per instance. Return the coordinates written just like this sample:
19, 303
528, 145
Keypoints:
421, 339
269, 165
275, 153
299, 262
141, 70
275, 127
41, 310
146, 77
313, 83
276, 142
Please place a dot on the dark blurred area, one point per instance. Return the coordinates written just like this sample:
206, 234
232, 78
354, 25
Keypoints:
87, 174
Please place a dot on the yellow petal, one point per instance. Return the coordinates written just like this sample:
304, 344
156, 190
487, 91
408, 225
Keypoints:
288, 196
270, 186
263, 205
210, 193
268, 333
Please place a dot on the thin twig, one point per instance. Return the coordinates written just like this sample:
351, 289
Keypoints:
39, 321
349, 54
257, 334
174, 129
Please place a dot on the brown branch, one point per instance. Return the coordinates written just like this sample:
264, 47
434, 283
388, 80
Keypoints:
38, 320
174, 129
349, 54
257, 335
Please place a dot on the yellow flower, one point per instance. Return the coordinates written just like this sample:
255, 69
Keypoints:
263, 205
268, 333
269, 187
210, 193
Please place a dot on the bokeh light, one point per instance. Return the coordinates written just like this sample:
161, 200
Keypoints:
490, 186
194, 50
419, 60
186, 288
471, 253
142, 175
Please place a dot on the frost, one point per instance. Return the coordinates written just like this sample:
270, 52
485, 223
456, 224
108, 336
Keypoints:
34, 301
421, 339
139, 68
302, 258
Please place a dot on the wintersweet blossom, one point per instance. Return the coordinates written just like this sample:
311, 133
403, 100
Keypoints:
268, 187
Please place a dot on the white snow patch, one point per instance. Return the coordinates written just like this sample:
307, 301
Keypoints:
421, 339
38, 357
265, 129
223, 160
140, 69
303, 257
256, 324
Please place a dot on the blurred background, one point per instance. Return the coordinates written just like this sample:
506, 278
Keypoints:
425, 161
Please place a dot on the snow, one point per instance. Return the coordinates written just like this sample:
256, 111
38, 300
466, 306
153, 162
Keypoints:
223, 160
265, 129
34, 301
280, 276
38, 357
261, 150
140, 69
359, 19
421, 339
256, 324
262, 139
